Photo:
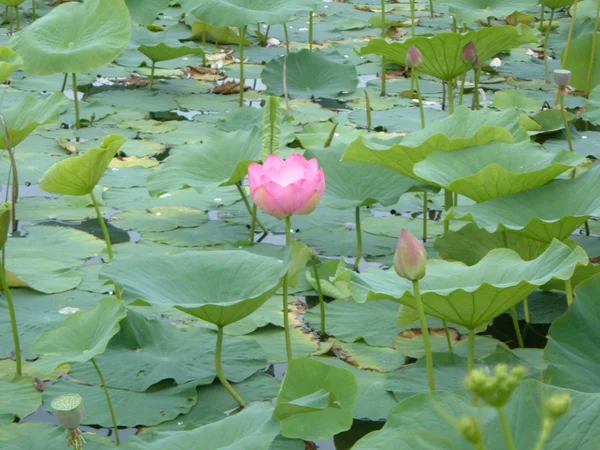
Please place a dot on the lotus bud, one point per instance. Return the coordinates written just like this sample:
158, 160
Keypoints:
410, 259
469, 56
469, 428
414, 58
5, 212
68, 410
558, 405
562, 77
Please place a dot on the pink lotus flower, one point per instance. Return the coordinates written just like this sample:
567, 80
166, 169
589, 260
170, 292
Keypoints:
469, 55
414, 58
285, 187
410, 258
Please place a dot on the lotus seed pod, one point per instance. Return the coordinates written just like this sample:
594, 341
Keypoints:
410, 259
562, 77
558, 405
414, 58
469, 56
469, 428
68, 410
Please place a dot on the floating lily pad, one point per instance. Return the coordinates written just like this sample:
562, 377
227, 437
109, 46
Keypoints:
468, 11
41, 436
159, 219
18, 398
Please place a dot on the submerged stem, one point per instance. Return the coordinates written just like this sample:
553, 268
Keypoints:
321, 299
359, 246
220, 375
108, 401
103, 226
425, 333
13, 318
76, 100
286, 317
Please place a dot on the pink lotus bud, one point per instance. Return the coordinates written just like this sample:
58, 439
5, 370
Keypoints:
414, 58
469, 55
562, 77
410, 258
285, 187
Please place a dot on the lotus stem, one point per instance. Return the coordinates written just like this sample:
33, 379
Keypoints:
448, 337
108, 402
249, 208
321, 299
450, 96
383, 63
285, 87
33, 14
425, 333
242, 79
18, 16
588, 83
454, 25
103, 226
547, 426
220, 375
570, 35
431, 12
287, 39
565, 121
13, 318
447, 206
286, 317
549, 27
587, 228
541, 27
505, 429
471, 357
425, 215
463, 80
311, 21
412, 18
515, 321
476, 87
253, 223
359, 246
569, 291
10, 18
415, 77
526, 310
15, 178
152, 75
64, 83
203, 45
76, 100
369, 117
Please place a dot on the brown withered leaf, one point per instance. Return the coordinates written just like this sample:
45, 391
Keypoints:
131, 81
58, 2
204, 73
229, 88
66, 145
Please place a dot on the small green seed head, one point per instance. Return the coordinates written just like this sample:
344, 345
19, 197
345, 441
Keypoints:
68, 410
558, 405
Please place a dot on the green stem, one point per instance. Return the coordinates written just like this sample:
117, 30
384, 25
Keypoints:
570, 35
542, 18
220, 375
108, 402
286, 317
287, 39
448, 337
152, 75
383, 63
13, 318
253, 223
412, 18
425, 333
546, 46
75, 100
569, 291
587, 228
431, 12
33, 14
588, 84
425, 215
14, 186
506, 430
447, 206
242, 79
8, 14
515, 321
566, 121
204, 45
311, 23
368, 107
359, 247
454, 25
461, 94
526, 310
450, 84
415, 76
64, 83
471, 358
103, 226
476, 88
249, 208
321, 299
547, 426
18, 16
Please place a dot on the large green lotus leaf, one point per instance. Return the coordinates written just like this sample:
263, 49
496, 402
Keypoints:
237, 13
254, 428
79, 175
131, 408
83, 335
221, 161
43, 436
24, 117
233, 284
579, 67
495, 169
9, 62
161, 46
74, 37
571, 351
316, 401
473, 295
422, 421
552, 211
310, 74
464, 128
468, 11
592, 107
163, 218
147, 351
145, 11
556, 4
514, 98
489, 42
354, 184
18, 398
217, 35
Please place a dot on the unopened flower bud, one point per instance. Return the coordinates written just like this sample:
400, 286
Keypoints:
562, 77
469, 56
469, 428
414, 58
558, 405
410, 259
68, 410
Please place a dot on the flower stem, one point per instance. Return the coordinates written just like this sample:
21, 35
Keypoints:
311, 24
447, 206
359, 246
425, 333
566, 121
476, 88
368, 108
570, 35
75, 100
471, 358
286, 316
152, 75
249, 208
64, 83
450, 84
425, 215
448, 337
506, 430
515, 321
287, 39
321, 299
103, 226
108, 402
13, 317
526, 310
547, 426
415, 77
33, 13
412, 18
242, 79
549, 27
588, 84
461, 94
383, 64
18, 16
569, 291
220, 375
253, 223
203, 45
431, 12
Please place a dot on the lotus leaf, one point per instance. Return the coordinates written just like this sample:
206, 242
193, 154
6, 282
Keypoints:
9, 62
145, 11
556, 4
580, 67
592, 107
468, 11
473, 295
17, 399
41, 436
74, 37
160, 46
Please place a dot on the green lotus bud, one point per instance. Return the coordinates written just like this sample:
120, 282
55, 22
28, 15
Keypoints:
68, 410
5, 211
410, 258
469, 428
558, 405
